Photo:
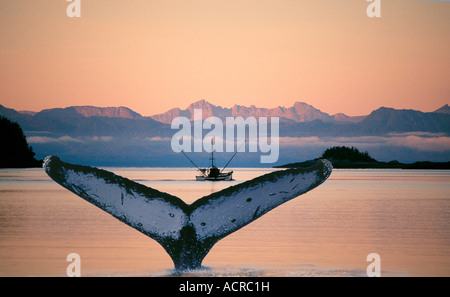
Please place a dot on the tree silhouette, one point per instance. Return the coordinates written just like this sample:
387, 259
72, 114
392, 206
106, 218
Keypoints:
351, 154
14, 150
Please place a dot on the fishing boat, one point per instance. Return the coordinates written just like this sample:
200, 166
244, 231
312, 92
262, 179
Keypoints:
213, 173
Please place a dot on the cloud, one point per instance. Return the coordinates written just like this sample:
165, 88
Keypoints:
102, 138
418, 133
157, 138
45, 139
435, 144
66, 139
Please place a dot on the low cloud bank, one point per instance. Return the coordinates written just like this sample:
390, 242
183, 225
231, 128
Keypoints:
156, 150
66, 139
417, 142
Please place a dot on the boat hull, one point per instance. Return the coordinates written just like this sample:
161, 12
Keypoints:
220, 177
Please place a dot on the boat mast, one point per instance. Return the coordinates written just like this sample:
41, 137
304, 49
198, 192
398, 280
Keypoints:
212, 151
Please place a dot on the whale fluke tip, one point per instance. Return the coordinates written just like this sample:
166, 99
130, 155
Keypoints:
48, 161
328, 167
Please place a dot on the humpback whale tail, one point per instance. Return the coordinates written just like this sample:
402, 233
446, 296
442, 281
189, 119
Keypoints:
187, 232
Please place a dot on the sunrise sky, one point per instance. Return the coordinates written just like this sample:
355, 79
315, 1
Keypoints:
154, 55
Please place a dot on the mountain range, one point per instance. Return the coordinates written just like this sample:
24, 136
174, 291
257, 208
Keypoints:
299, 112
303, 119
86, 120
102, 135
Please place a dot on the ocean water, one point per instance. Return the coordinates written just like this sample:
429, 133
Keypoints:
402, 215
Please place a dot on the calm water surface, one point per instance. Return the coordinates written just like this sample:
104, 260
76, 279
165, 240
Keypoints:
404, 216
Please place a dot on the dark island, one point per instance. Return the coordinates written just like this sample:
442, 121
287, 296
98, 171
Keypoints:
15, 151
343, 157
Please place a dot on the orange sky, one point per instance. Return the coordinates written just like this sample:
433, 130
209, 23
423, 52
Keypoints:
154, 55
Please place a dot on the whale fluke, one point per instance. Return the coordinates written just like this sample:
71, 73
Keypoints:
187, 232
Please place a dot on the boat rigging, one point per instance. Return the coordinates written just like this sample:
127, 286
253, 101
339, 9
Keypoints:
213, 173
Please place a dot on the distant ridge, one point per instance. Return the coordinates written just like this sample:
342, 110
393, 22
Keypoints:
389, 120
300, 112
91, 111
299, 120
444, 109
